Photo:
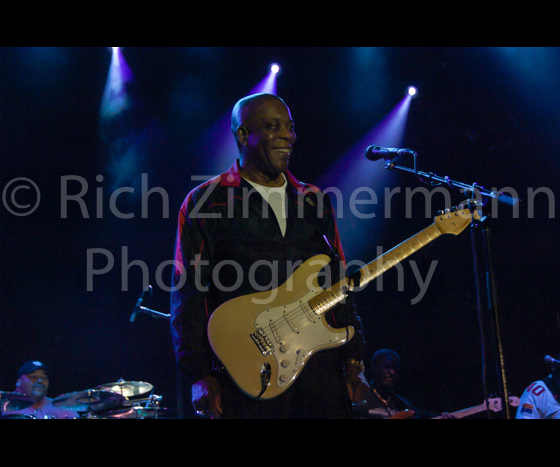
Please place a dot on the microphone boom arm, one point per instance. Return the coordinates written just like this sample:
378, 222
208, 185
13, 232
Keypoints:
463, 187
141, 309
155, 314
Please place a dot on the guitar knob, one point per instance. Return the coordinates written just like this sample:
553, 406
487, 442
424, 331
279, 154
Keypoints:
285, 363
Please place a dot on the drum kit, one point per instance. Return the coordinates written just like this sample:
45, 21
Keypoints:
118, 401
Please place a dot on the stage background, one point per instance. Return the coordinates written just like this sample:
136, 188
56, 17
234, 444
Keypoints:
483, 115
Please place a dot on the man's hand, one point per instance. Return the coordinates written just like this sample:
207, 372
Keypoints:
357, 384
207, 398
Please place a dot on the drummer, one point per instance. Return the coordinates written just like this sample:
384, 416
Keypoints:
33, 381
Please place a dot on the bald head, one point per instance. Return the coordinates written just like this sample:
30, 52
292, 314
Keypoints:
246, 108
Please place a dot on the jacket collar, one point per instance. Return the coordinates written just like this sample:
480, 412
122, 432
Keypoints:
232, 178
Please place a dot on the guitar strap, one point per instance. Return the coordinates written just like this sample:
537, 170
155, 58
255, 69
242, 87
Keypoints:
311, 212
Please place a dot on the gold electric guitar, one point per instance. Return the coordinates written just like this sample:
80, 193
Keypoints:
265, 339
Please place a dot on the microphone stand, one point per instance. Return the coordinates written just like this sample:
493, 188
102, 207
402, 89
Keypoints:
167, 316
477, 196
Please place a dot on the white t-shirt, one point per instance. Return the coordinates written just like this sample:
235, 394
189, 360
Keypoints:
276, 199
537, 402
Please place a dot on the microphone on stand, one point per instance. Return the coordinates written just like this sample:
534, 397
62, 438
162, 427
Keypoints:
375, 153
139, 303
552, 361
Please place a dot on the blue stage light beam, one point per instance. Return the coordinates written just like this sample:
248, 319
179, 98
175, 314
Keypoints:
126, 145
115, 98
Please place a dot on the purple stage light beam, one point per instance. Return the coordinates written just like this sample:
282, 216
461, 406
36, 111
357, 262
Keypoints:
115, 99
217, 143
356, 184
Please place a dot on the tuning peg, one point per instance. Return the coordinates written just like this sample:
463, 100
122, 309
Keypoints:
454, 209
440, 213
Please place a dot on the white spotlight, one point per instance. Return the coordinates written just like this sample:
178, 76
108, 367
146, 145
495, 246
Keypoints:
412, 92
275, 68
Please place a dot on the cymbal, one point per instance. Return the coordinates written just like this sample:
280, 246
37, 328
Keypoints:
89, 400
12, 401
127, 388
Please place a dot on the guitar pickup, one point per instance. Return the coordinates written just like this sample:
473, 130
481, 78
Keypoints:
291, 323
311, 316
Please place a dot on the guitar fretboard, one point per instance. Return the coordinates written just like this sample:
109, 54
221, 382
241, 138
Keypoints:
466, 412
334, 295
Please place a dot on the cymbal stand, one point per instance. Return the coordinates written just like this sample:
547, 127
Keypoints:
89, 413
155, 400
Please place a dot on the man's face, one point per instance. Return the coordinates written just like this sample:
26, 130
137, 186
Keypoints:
271, 137
388, 372
34, 384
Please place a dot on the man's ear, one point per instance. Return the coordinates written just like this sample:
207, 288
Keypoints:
243, 135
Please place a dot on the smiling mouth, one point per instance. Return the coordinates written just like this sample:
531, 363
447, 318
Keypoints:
283, 150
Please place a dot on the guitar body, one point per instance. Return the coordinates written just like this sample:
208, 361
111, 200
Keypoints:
265, 339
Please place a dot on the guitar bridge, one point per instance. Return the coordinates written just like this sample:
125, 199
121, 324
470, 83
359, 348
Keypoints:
263, 342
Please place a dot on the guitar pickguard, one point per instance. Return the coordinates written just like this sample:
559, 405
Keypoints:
294, 333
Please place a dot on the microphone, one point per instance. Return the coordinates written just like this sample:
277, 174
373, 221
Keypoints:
552, 361
374, 153
139, 303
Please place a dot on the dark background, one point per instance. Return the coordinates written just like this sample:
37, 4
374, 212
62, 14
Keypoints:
484, 115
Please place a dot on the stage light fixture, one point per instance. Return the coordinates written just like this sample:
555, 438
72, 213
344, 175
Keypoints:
275, 68
412, 92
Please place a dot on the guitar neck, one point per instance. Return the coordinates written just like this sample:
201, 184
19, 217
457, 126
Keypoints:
398, 254
330, 297
466, 412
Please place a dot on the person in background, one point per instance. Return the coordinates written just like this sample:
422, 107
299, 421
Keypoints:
33, 380
540, 399
386, 403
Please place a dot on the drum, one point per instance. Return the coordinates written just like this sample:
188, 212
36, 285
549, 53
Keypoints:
13, 401
137, 413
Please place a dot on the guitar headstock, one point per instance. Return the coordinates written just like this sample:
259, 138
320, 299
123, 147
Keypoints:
454, 221
495, 405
